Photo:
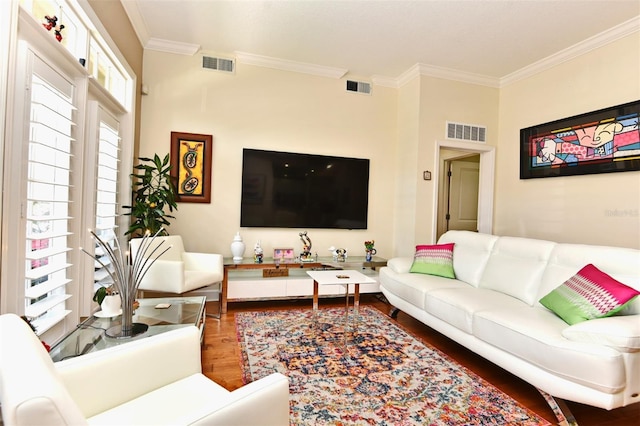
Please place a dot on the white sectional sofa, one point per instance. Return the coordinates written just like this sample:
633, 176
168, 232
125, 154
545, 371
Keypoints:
492, 307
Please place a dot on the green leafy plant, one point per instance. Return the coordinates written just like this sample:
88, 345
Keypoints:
101, 293
153, 193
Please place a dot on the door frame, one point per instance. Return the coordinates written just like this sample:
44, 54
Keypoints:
485, 184
444, 191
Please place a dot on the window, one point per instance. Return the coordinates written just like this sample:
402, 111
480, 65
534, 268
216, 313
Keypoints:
68, 140
49, 149
106, 204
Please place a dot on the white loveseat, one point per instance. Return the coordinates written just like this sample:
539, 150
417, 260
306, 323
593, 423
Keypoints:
151, 381
492, 307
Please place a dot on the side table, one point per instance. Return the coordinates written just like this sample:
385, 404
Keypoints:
90, 336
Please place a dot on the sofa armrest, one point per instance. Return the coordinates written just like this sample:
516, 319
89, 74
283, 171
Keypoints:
209, 262
107, 378
400, 265
164, 276
262, 402
621, 332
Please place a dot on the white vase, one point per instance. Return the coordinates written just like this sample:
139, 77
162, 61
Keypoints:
237, 248
111, 304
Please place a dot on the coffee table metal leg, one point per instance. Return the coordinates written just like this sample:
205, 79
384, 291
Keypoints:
346, 313
356, 308
315, 304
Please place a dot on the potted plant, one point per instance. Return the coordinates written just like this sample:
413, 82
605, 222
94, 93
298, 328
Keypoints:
153, 192
109, 299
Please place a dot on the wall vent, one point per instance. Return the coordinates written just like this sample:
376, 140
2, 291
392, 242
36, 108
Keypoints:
218, 64
466, 132
359, 86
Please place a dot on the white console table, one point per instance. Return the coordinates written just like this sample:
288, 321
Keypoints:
245, 280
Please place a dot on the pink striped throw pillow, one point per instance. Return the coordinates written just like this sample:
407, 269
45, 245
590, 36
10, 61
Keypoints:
589, 294
434, 260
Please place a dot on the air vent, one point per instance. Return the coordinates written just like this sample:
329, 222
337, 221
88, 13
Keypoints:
359, 86
466, 132
218, 64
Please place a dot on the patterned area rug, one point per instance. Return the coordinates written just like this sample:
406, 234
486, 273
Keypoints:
382, 376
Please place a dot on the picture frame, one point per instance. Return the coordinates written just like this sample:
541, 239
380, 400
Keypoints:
191, 156
602, 141
283, 254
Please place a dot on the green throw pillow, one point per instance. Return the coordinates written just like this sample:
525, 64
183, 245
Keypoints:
434, 260
589, 294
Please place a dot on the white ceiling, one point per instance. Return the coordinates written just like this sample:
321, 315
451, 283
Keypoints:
384, 39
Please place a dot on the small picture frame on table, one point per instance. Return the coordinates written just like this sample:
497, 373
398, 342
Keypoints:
283, 255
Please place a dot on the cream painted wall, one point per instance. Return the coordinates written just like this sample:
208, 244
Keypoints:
406, 166
268, 109
593, 209
441, 101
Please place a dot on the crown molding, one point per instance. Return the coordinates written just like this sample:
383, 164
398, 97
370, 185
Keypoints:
447, 74
606, 37
138, 23
169, 46
381, 80
285, 65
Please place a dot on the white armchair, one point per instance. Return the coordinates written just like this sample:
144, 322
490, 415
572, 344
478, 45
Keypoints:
155, 380
178, 271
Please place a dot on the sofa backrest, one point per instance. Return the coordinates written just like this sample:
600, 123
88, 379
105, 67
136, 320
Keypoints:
528, 269
31, 391
161, 243
471, 252
516, 266
623, 264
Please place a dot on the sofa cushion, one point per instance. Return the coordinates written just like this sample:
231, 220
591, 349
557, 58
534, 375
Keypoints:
515, 267
470, 253
457, 306
160, 408
534, 335
414, 287
589, 294
434, 260
614, 331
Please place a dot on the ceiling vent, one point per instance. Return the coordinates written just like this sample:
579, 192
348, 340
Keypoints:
218, 64
359, 86
466, 132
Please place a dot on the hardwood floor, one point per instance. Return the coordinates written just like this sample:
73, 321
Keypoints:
221, 361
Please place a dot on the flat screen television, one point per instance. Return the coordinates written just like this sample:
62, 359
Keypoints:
292, 190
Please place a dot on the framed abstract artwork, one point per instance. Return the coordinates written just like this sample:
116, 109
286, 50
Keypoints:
191, 156
603, 141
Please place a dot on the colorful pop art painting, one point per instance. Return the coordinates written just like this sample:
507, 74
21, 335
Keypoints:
603, 141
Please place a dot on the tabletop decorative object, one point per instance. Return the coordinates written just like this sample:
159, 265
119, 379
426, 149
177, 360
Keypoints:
237, 248
305, 256
258, 253
127, 271
370, 251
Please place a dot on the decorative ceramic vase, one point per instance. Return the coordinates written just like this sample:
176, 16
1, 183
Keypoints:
111, 304
369, 254
237, 248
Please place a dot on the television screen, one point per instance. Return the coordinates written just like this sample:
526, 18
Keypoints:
290, 190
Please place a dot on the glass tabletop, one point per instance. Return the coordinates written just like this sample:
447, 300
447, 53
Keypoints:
90, 335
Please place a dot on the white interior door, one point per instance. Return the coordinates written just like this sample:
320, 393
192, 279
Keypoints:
463, 195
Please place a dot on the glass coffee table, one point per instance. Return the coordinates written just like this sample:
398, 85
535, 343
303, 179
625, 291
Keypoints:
90, 335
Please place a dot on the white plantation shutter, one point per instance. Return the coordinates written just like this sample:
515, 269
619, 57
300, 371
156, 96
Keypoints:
108, 158
50, 144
